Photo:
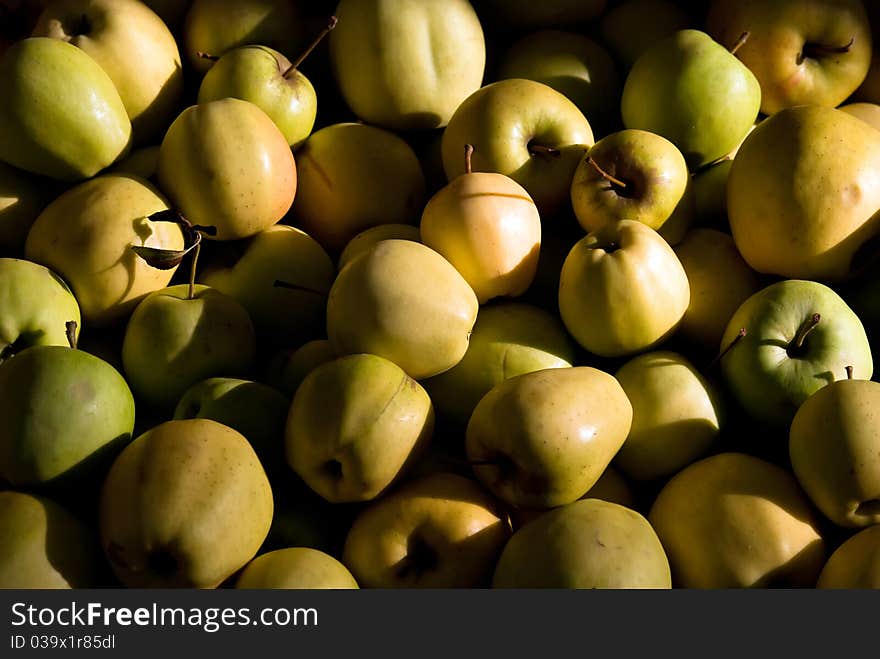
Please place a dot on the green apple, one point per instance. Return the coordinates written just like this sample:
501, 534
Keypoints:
254, 409
136, 49
632, 26
61, 116
352, 177
710, 194
527, 14
802, 194
632, 175
855, 563
787, 341
869, 90
694, 92
439, 531
508, 339
86, 236
573, 65
542, 439
868, 112
677, 415
288, 368
815, 54
65, 414
296, 568
735, 521
22, 198
363, 241
282, 278
488, 227
525, 130
180, 335
355, 426
585, 544
403, 301
142, 162
217, 26
268, 79
35, 306
720, 281
225, 164
186, 504
45, 546
407, 64
834, 445
622, 290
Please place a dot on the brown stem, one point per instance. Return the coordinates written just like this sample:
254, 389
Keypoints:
209, 56
297, 287
192, 271
541, 150
797, 343
819, 50
739, 42
739, 337
849, 372
70, 332
468, 152
614, 181
331, 23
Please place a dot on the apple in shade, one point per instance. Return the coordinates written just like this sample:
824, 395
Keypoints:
363, 241
295, 568
622, 290
286, 369
22, 198
632, 26
855, 563
527, 14
522, 129
487, 226
787, 341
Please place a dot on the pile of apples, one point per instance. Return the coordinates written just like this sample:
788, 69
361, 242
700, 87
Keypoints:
437, 293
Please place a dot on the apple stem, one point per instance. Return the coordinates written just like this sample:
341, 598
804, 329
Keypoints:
818, 50
70, 332
331, 23
739, 336
739, 42
849, 372
468, 152
297, 287
209, 56
192, 271
541, 150
797, 344
614, 181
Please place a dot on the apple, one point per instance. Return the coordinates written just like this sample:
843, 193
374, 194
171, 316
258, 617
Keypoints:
869, 90
403, 301
710, 194
22, 198
542, 439
352, 177
363, 241
287, 368
694, 92
86, 236
816, 54
35, 307
487, 226
622, 290
136, 49
522, 129
585, 544
185, 505
631, 27
170, 11
225, 164
355, 426
550, 13
142, 162
295, 568
787, 341
868, 112
439, 531
803, 194
62, 117
855, 563
733, 520
407, 64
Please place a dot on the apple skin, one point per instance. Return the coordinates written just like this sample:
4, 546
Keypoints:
142, 162
172, 342
542, 439
769, 383
834, 445
505, 122
86, 235
855, 563
136, 49
45, 546
288, 368
62, 116
868, 112
22, 198
676, 87
584, 545
185, 505
439, 531
735, 521
405, 302
296, 568
775, 49
170, 11
363, 241
414, 65
622, 290
355, 426
793, 186
35, 305
632, 26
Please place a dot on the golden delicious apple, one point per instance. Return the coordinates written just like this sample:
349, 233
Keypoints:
296, 568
